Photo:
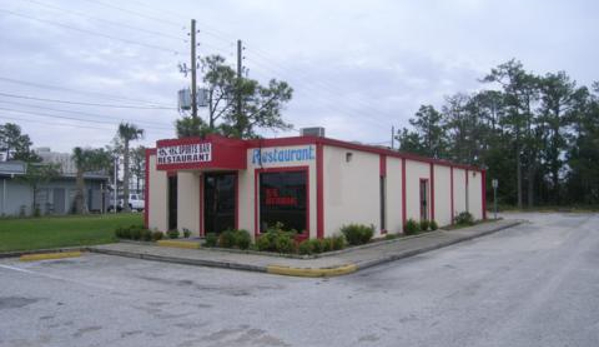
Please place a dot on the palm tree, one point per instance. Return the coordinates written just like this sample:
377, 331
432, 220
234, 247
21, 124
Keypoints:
87, 160
127, 132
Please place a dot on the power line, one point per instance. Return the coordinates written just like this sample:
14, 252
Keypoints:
156, 124
135, 13
114, 23
84, 103
89, 32
54, 87
45, 115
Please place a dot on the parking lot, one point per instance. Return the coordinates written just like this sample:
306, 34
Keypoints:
532, 285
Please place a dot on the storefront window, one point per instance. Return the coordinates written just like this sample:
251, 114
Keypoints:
283, 198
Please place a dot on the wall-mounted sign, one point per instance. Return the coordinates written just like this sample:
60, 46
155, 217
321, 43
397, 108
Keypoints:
184, 154
282, 155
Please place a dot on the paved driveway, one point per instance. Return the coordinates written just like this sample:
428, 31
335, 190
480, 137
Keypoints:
533, 285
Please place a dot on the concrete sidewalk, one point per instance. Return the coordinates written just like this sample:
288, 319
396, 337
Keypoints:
333, 265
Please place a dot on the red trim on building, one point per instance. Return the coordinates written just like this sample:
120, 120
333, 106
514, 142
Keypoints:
201, 212
234, 146
257, 173
236, 200
226, 153
451, 192
319, 191
432, 189
149, 152
483, 179
403, 192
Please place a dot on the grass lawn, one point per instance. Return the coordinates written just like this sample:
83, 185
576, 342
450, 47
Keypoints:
53, 232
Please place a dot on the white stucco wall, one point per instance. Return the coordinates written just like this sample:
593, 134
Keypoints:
158, 201
415, 170
475, 194
188, 201
247, 184
351, 189
459, 191
394, 195
442, 194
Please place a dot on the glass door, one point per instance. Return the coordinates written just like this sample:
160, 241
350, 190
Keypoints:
423, 199
220, 190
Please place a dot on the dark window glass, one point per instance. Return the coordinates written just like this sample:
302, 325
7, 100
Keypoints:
172, 202
283, 198
219, 202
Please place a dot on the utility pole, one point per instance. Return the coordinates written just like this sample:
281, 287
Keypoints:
194, 89
239, 73
393, 137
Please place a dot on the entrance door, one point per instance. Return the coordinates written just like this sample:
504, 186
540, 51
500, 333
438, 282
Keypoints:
172, 202
58, 201
423, 199
220, 190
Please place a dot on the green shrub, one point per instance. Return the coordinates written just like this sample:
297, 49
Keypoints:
338, 242
284, 243
411, 227
434, 226
317, 246
211, 240
357, 234
305, 248
135, 234
326, 244
243, 239
424, 223
126, 233
146, 235
464, 218
173, 234
157, 235
263, 243
118, 232
227, 239
186, 233
390, 236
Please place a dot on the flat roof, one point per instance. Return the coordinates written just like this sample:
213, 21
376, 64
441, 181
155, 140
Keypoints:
307, 140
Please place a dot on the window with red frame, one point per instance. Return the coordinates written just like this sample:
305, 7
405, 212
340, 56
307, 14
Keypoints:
283, 198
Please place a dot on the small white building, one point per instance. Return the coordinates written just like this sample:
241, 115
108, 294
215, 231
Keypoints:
314, 185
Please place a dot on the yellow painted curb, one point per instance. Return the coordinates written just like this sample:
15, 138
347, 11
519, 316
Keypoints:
308, 272
178, 244
45, 256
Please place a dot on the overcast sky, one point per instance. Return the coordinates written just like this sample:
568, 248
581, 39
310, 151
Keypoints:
357, 67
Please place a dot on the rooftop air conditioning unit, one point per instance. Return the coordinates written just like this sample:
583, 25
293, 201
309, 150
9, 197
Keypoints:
314, 131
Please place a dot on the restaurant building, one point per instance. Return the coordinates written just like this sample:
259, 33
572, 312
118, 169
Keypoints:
312, 184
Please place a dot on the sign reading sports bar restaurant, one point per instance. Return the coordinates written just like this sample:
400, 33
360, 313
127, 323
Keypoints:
184, 153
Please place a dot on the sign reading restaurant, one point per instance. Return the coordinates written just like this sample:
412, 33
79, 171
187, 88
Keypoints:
184, 153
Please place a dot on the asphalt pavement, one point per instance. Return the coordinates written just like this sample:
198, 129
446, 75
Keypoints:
531, 285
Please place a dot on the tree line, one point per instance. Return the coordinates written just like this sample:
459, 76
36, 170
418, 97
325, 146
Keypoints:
537, 134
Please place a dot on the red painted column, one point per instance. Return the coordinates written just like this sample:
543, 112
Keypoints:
484, 192
403, 192
451, 192
383, 173
319, 191
432, 216
146, 188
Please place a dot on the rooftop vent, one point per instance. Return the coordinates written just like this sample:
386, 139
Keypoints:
314, 131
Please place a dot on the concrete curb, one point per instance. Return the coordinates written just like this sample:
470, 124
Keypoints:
48, 256
309, 272
301, 271
178, 244
411, 253
17, 254
184, 261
